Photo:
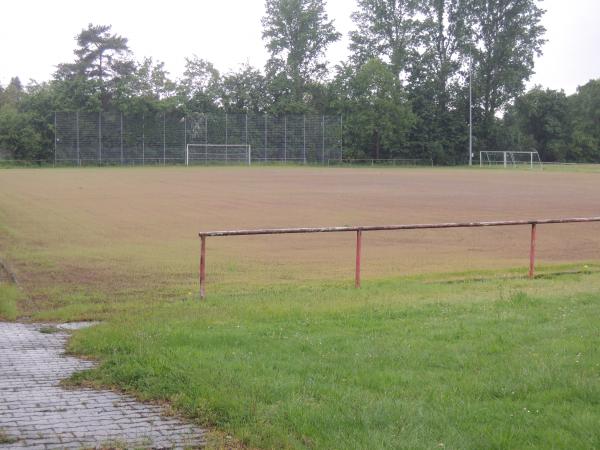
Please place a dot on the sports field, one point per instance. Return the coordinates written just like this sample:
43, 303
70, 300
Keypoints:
446, 345
122, 228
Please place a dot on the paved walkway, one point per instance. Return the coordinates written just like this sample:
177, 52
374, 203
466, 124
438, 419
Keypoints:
35, 412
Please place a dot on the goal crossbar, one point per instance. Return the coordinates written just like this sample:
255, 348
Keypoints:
209, 153
508, 158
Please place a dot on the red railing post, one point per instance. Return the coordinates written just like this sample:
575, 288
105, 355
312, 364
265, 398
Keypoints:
358, 255
202, 266
532, 252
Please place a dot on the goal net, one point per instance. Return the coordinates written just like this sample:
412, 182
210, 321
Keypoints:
218, 154
510, 158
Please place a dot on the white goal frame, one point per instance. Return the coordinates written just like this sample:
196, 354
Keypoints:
509, 158
218, 153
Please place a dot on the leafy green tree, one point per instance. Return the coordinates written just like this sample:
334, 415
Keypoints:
26, 121
152, 80
200, 87
444, 34
378, 115
388, 30
506, 36
13, 94
584, 107
541, 119
40, 104
244, 91
436, 82
18, 138
102, 61
297, 33
147, 88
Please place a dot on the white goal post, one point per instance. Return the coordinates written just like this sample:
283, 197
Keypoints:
510, 158
218, 154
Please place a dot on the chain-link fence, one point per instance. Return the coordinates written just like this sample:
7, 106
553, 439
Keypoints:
162, 138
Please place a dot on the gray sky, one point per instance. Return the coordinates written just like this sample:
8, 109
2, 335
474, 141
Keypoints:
38, 34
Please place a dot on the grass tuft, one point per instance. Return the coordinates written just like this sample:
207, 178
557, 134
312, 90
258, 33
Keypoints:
50, 330
9, 296
6, 439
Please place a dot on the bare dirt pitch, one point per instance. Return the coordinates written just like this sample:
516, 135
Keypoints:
136, 227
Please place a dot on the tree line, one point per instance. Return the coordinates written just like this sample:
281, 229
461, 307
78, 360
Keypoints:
403, 92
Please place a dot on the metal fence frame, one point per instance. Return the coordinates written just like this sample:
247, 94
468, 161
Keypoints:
360, 229
118, 138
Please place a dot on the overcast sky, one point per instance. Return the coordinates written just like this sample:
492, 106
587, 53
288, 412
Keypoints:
38, 34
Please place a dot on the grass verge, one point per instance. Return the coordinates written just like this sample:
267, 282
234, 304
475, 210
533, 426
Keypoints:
9, 296
497, 363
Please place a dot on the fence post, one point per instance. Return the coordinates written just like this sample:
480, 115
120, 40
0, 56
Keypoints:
185, 152
226, 136
100, 136
323, 139
78, 145
304, 137
55, 137
285, 139
202, 266
164, 138
358, 256
341, 137
532, 251
143, 139
265, 154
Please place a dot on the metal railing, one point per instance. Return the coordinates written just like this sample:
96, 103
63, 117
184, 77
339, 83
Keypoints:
360, 229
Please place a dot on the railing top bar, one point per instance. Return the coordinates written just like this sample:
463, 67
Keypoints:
396, 227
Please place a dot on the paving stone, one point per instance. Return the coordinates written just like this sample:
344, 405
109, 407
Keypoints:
40, 414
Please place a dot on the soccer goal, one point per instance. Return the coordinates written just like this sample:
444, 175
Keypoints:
510, 158
218, 154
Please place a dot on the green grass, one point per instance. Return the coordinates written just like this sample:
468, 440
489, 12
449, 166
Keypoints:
484, 359
9, 296
401, 363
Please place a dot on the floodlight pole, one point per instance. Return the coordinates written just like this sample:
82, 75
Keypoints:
470, 109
